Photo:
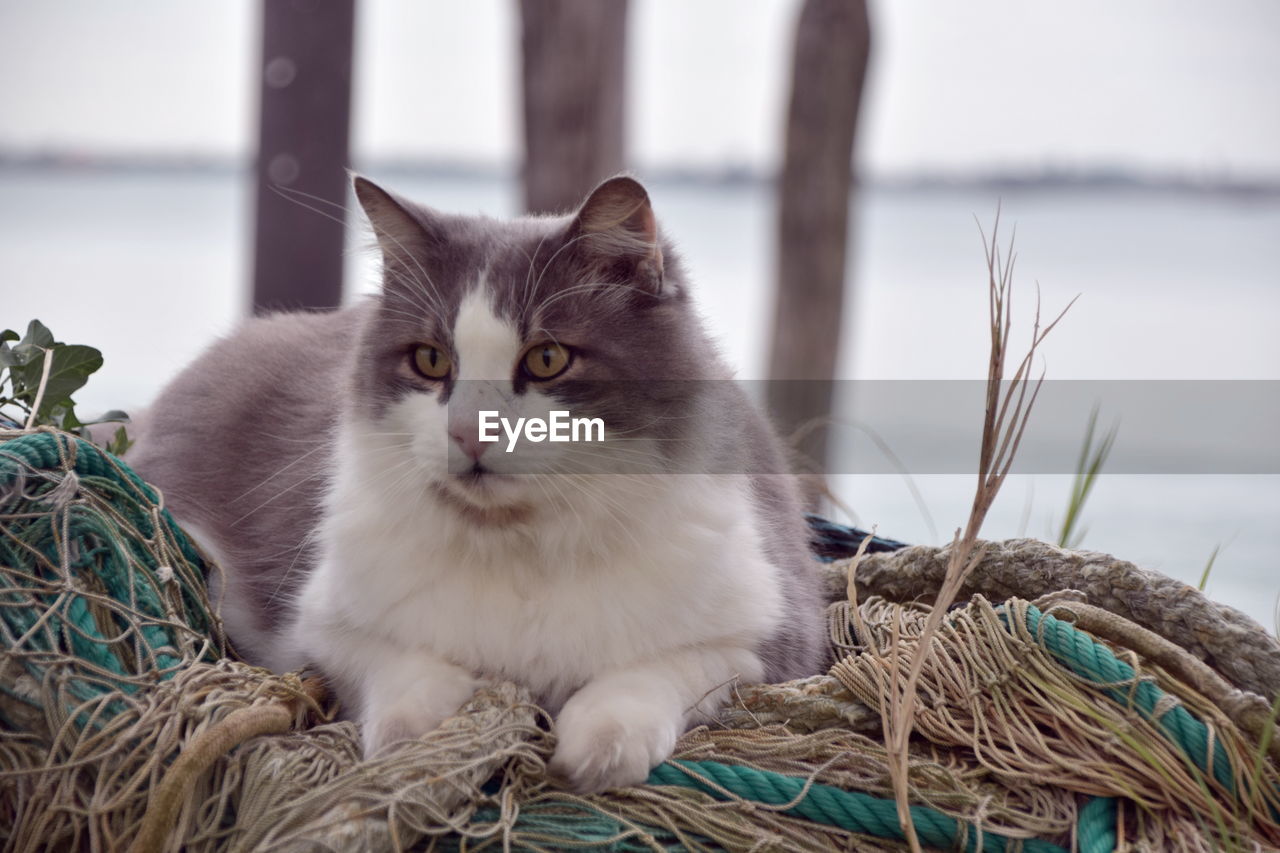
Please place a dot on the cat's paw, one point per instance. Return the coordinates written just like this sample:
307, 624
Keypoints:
611, 742
383, 729
407, 699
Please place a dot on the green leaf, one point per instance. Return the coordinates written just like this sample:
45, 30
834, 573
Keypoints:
72, 366
1208, 567
26, 353
120, 443
113, 416
65, 417
22, 369
38, 335
29, 349
17, 356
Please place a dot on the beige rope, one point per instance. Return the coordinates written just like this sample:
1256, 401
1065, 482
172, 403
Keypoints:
1249, 711
1232, 644
207, 747
1007, 739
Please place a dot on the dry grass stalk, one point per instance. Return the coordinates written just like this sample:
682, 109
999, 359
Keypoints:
1005, 419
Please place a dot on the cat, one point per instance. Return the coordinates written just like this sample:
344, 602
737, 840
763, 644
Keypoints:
330, 463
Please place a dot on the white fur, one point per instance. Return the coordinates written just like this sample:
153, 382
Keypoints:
487, 346
627, 603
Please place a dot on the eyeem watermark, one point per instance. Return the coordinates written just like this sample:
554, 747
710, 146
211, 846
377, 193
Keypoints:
559, 427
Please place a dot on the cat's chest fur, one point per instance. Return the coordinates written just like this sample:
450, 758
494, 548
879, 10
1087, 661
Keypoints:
612, 579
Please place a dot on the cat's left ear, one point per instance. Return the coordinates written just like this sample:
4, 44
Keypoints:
618, 230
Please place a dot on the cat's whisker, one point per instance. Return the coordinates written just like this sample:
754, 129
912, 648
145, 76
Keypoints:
424, 287
524, 293
542, 330
572, 506
293, 193
406, 254
293, 439
648, 425
601, 466
415, 299
543, 485
300, 549
611, 467
280, 471
288, 549
404, 480
348, 220
628, 485
418, 319
622, 453
616, 512
538, 282
414, 291
425, 281
603, 286
284, 193
277, 496
595, 572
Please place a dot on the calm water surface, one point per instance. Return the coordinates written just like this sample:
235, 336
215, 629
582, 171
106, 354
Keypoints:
150, 268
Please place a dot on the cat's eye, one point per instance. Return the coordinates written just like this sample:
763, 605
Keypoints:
547, 360
431, 361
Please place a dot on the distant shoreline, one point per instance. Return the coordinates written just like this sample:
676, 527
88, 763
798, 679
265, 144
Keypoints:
1009, 180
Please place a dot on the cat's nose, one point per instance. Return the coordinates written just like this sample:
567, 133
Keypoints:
469, 441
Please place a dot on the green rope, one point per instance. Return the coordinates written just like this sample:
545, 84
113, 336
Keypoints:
1090, 659
575, 826
1096, 826
100, 536
851, 810
858, 812
103, 560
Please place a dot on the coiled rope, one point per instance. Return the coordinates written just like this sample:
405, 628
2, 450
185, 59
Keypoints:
865, 813
851, 810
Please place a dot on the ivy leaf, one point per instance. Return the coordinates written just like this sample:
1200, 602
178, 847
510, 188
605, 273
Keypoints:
22, 364
7, 358
63, 416
120, 443
16, 356
38, 335
37, 339
71, 368
113, 416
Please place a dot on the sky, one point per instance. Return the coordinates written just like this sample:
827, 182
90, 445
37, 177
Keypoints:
1172, 86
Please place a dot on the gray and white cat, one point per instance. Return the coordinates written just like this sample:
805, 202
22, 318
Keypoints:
330, 464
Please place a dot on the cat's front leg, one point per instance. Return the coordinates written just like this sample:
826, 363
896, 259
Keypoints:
623, 723
407, 693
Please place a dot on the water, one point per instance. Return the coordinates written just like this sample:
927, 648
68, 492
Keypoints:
150, 267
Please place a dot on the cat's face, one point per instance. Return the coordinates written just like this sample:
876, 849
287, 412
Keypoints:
585, 315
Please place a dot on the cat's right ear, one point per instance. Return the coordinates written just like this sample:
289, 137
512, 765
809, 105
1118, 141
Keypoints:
618, 228
402, 234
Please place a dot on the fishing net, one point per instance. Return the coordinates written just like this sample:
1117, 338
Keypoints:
1073, 702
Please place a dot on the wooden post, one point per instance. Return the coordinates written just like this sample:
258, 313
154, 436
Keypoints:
302, 153
574, 59
814, 193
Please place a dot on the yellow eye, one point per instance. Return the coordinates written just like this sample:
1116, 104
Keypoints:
546, 361
431, 361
